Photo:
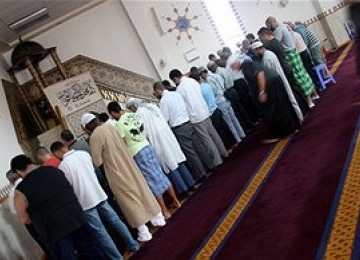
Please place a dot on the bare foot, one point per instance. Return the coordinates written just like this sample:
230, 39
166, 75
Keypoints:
177, 204
167, 215
270, 141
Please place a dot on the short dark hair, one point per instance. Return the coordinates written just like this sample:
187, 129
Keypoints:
175, 73
103, 117
211, 56
56, 146
114, 107
250, 36
264, 31
20, 162
166, 83
42, 150
158, 86
67, 135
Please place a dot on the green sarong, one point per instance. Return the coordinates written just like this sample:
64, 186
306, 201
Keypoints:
302, 78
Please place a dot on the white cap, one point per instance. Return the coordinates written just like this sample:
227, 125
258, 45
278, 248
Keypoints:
86, 119
256, 45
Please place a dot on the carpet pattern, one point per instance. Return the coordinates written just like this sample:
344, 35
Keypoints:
281, 207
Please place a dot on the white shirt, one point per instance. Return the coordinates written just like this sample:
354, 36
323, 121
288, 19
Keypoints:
111, 121
190, 90
11, 200
173, 108
79, 171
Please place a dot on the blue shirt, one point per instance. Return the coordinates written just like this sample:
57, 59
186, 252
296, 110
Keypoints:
209, 96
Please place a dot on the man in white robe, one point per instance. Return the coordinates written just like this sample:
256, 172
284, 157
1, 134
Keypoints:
269, 60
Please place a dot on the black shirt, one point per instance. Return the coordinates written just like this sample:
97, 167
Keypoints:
52, 205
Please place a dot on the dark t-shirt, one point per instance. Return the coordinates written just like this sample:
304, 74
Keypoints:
52, 205
276, 47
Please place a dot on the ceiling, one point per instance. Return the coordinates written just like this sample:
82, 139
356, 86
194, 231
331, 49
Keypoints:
56, 11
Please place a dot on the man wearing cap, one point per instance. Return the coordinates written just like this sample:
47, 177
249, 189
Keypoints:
269, 60
127, 183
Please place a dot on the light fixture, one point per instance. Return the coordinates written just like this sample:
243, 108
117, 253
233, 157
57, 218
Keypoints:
29, 18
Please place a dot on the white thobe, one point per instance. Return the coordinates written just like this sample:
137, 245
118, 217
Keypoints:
270, 61
161, 137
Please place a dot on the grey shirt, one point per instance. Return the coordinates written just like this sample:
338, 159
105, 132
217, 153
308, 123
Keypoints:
284, 36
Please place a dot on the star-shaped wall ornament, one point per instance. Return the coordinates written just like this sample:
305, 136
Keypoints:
182, 23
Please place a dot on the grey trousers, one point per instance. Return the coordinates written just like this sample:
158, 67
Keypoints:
185, 135
211, 147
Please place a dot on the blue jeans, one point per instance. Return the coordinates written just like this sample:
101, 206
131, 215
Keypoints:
107, 214
230, 118
80, 240
182, 178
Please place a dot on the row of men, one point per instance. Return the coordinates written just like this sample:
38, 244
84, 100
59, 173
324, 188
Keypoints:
197, 123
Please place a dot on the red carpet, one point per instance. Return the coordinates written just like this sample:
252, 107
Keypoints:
288, 216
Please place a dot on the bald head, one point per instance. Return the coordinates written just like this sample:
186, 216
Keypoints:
271, 22
291, 25
212, 66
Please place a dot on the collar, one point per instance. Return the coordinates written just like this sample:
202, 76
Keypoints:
69, 153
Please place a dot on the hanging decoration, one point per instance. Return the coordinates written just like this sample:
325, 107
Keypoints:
182, 23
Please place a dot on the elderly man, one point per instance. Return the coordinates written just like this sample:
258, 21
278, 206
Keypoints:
269, 60
275, 108
199, 114
301, 76
46, 158
131, 129
126, 181
164, 143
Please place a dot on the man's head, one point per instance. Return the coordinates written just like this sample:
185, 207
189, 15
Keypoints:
43, 154
195, 74
12, 176
258, 49
265, 34
20, 164
103, 117
175, 75
212, 66
158, 89
246, 45
67, 137
250, 37
59, 149
271, 23
291, 25
167, 84
133, 103
203, 73
114, 110
89, 122
212, 57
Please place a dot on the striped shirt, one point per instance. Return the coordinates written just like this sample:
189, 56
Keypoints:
310, 39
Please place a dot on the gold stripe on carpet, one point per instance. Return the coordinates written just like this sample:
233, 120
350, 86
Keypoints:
342, 57
227, 223
343, 232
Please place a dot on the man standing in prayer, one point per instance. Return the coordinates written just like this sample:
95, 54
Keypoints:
131, 129
311, 41
46, 158
126, 181
209, 139
269, 60
301, 76
46, 199
173, 108
275, 107
228, 114
79, 171
164, 143
215, 113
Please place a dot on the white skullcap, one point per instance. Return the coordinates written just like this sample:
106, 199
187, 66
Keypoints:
86, 119
256, 45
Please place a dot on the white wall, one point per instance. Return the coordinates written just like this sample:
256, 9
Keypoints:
104, 33
165, 46
8, 140
254, 14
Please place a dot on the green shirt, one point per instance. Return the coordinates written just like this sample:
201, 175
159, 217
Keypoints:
131, 129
